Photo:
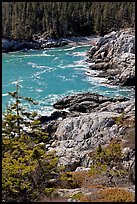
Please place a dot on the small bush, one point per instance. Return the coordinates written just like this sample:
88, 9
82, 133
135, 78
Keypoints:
109, 161
49, 192
115, 195
67, 181
77, 196
120, 119
82, 178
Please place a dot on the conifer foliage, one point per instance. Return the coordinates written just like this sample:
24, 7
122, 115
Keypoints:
21, 20
27, 167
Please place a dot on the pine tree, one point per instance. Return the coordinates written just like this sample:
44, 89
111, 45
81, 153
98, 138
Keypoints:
27, 167
16, 115
21, 20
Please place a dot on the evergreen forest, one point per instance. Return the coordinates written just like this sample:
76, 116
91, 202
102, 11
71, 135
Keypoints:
21, 20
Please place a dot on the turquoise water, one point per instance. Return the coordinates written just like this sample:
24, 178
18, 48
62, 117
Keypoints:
50, 74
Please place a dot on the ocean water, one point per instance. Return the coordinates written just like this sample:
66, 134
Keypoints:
50, 74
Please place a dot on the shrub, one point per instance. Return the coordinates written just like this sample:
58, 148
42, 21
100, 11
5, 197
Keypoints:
78, 196
49, 192
26, 168
120, 119
67, 181
115, 195
106, 158
82, 178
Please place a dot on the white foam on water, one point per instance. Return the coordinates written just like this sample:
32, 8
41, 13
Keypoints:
91, 72
32, 55
34, 65
56, 58
15, 82
6, 94
71, 48
38, 90
80, 63
96, 80
79, 54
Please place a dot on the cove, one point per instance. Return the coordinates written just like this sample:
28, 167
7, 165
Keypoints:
50, 74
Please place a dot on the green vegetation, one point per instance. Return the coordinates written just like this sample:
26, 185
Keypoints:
77, 196
67, 181
16, 116
133, 123
26, 166
109, 160
30, 172
115, 195
20, 20
120, 119
107, 195
107, 163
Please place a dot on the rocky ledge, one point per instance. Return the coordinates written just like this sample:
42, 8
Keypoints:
114, 56
90, 119
86, 120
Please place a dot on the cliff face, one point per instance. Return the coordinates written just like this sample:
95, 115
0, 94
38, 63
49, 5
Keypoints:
114, 55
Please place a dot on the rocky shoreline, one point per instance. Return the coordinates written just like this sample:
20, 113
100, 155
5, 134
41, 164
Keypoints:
114, 56
83, 121
91, 120
80, 124
9, 45
39, 42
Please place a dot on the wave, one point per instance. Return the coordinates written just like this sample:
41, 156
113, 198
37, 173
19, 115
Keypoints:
32, 55
96, 80
34, 65
39, 90
71, 48
15, 82
6, 94
65, 66
45, 54
77, 45
80, 63
79, 54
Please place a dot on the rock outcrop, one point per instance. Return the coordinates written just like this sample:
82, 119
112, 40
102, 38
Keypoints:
85, 102
83, 127
114, 54
9, 45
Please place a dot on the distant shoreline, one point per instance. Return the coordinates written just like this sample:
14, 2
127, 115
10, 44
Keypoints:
10, 45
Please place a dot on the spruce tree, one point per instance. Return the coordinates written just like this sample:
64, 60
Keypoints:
27, 167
